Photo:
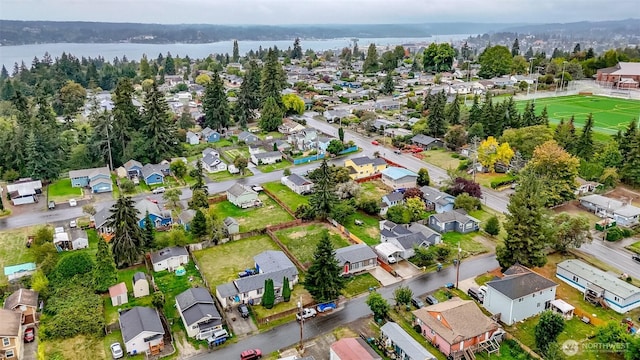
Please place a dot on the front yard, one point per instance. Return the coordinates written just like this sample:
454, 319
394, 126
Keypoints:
369, 231
62, 190
468, 242
303, 240
441, 158
221, 264
281, 165
635, 247
359, 284
225, 175
286, 195
270, 213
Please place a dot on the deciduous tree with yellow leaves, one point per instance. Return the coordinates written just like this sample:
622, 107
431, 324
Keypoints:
490, 152
558, 170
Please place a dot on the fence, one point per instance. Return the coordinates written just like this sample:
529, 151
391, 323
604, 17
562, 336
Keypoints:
283, 205
592, 320
369, 178
348, 150
344, 231
393, 163
272, 235
306, 159
217, 199
524, 347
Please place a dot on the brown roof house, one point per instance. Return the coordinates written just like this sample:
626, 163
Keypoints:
24, 301
118, 294
10, 335
457, 326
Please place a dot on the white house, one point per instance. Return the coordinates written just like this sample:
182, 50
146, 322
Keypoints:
242, 196
192, 138
397, 178
270, 157
24, 192
598, 286
297, 183
213, 164
169, 258
198, 313
142, 330
519, 295
623, 214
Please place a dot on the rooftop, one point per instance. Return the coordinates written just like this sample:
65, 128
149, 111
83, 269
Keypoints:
598, 277
397, 173
520, 281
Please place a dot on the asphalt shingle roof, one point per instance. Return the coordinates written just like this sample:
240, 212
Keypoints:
196, 304
355, 253
167, 253
139, 319
520, 281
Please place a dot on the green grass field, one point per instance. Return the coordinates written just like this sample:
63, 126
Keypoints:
303, 240
61, 190
609, 114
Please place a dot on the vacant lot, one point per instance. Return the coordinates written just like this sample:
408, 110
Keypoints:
303, 240
221, 264
467, 242
13, 250
575, 209
369, 231
286, 195
270, 213
374, 190
273, 167
609, 114
76, 348
231, 154
441, 158
61, 190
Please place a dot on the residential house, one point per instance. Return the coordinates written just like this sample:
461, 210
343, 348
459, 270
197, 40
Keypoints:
364, 166
140, 284
436, 200
97, 179
323, 143
289, 126
210, 151
281, 145
623, 214
133, 168
210, 135
393, 132
185, 218
333, 116
24, 191
169, 258
159, 217
391, 199
193, 138
100, 221
585, 186
455, 326
198, 312
599, 287
356, 258
274, 265
454, 220
306, 139
243, 197
352, 349
153, 174
408, 237
269, 157
382, 124
118, 294
25, 302
399, 178
387, 105
404, 346
247, 137
231, 225
426, 142
519, 295
11, 333
213, 164
15, 272
142, 330
79, 239
61, 239
297, 183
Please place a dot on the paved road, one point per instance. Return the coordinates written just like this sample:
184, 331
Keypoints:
286, 335
614, 254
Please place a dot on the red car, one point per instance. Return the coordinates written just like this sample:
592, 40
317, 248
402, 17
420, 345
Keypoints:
251, 354
374, 142
29, 335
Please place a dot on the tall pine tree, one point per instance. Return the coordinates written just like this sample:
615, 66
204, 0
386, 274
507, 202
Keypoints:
158, 131
148, 231
248, 96
215, 104
271, 116
324, 197
452, 113
370, 64
584, 147
324, 281
236, 51
273, 79
631, 168
127, 236
475, 114
437, 119
104, 273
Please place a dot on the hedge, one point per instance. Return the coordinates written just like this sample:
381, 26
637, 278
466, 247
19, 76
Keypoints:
502, 180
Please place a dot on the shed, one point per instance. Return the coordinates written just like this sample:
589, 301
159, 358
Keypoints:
17, 271
562, 308
140, 285
118, 294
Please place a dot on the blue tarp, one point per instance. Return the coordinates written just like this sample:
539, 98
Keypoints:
10, 270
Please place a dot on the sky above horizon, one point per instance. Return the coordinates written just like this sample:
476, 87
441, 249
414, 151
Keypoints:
281, 12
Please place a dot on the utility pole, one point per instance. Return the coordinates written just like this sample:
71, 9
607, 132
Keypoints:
109, 141
301, 326
474, 149
458, 266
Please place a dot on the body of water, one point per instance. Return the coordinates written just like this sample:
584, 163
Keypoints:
16, 54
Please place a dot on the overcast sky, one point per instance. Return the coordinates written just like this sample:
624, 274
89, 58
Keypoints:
276, 12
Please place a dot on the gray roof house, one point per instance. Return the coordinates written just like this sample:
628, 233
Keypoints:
405, 346
297, 183
169, 258
426, 142
141, 330
406, 237
455, 220
436, 200
269, 157
356, 258
622, 213
100, 220
247, 137
198, 312
242, 196
270, 264
391, 199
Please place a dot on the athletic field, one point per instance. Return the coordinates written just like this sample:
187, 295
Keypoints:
609, 114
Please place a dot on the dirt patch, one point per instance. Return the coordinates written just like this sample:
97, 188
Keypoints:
373, 232
185, 349
574, 208
625, 194
297, 234
486, 242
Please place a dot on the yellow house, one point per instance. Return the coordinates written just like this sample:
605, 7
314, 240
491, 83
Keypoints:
11, 333
365, 166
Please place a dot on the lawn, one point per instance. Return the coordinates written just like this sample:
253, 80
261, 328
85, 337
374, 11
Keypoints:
369, 232
441, 158
303, 240
484, 278
298, 292
374, 190
126, 276
286, 195
466, 241
359, 284
113, 337
76, 348
221, 264
281, 165
270, 213
635, 247
172, 285
609, 114
61, 190
271, 135
225, 175
231, 154
485, 179
13, 250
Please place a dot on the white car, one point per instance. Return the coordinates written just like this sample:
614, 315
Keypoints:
256, 188
73, 224
159, 190
73, 202
116, 351
307, 313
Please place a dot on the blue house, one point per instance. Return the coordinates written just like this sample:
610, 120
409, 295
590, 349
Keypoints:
160, 217
210, 135
436, 200
247, 137
133, 168
97, 179
153, 174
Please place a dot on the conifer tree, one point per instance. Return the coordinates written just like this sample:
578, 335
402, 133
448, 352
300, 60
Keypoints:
127, 236
544, 117
215, 104
488, 116
271, 116
148, 231
452, 114
236, 51
248, 96
475, 114
324, 197
370, 64
286, 289
296, 53
269, 296
584, 146
104, 273
199, 224
324, 281
529, 117
388, 85
631, 168
273, 79
626, 140
437, 120
158, 130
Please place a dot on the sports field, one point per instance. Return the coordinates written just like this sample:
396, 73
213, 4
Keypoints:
609, 114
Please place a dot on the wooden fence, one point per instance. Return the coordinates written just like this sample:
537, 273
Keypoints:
395, 164
369, 178
217, 199
279, 202
344, 231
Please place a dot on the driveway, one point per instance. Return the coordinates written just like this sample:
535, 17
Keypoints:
384, 277
241, 327
31, 349
406, 270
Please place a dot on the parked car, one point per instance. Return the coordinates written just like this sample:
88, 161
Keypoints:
116, 350
326, 307
243, 309
51, 205
73, 202
636, 258
417, 302
159, 190
73, 224
256, 188
307, 313
29, 335
476, 294
218, 337
431, 300
251, 354
374, 142
247, 272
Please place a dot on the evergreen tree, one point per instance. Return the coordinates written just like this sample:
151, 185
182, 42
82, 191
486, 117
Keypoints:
286, 289
269, 296
104, 272
452, 113
158, 131
512, 117
296, 53
169, 65
145, 69
147, 235
125, 120
515, 48
488, 119
544, 117
4, 74
324, 281
236, 51
340, 134
389, 84
43, 146
564, 135
627, 139
199, 224
526, 226
198, 175
437, 120
215, 104
529, 117
248, 96
475, 114
273, 79
584, 146
127, 236
271, 116
631, 168
423, 177
323, 198
1, 205
370, 64
492, 227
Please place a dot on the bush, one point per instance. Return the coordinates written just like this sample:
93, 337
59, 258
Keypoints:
467, 202
464, 165
455, 156
43, 235
127, 186
503, 180
74, 264
369, 206
614, 234
492, 227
